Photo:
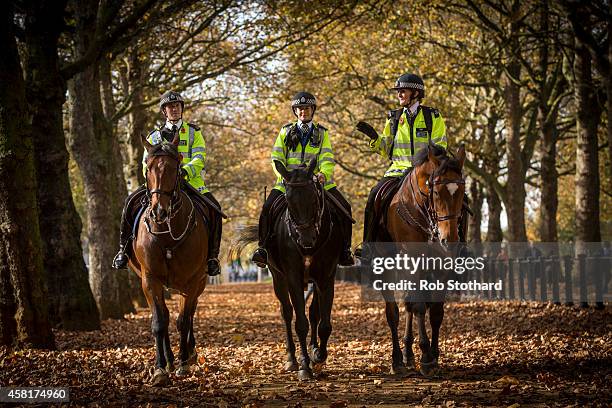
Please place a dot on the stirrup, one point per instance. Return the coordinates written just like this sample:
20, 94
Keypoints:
120, 261
214, 266
346, 258
260, 257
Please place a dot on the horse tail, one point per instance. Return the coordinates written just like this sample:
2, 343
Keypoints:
247, 234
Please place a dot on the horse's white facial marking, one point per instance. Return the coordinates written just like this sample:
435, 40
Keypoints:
452, 188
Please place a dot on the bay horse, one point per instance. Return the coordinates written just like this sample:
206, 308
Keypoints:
305, 245
170, 250
426, 208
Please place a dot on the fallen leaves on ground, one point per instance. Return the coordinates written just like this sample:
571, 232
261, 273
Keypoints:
492, 353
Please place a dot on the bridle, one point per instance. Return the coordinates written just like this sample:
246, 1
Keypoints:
175, 197
316, 221
427, 209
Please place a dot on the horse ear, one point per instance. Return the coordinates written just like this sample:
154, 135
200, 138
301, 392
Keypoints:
148, 146
176, 139
461, 155
282, 170
311, 166
431, 156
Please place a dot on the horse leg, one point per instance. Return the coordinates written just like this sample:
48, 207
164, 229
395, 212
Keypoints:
154, 292
296, 293
184, 323
427, 359
408, 338
313, 318
319, 355
436, 315
282, 294
392, 314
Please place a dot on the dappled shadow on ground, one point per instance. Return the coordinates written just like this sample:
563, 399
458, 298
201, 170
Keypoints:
493, 353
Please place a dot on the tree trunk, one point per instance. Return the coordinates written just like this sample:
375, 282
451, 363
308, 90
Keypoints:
476, 199
132, 153
97, 154
491, 165
547, 119
588, 114
24, 320
515, 205
494, 229
134, 282
548, 175
71, 304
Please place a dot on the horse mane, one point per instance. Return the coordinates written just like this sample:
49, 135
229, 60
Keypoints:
446, 162
164, 149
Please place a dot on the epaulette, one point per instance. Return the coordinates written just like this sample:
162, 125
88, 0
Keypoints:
288, 125
433, 111
393, 112
195, 127
323, 128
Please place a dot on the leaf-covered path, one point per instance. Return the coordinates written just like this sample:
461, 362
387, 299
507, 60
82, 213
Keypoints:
492, 353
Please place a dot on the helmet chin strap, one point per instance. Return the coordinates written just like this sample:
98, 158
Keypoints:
174, 122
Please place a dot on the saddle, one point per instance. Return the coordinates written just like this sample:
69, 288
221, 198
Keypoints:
383, 199
278, 208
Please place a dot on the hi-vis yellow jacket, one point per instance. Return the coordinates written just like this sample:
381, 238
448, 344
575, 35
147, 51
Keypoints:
192, 147
318, 146
409, 139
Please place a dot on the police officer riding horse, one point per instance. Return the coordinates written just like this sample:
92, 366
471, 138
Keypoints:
193, 151
408, 129
296, 144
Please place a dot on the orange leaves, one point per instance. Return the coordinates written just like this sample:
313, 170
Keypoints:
492, 353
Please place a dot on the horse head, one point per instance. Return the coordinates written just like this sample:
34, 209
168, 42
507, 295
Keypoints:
304, 202
162, 177
441, 183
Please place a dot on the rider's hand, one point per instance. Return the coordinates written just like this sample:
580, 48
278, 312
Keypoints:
184, 173
367, 129
321, 178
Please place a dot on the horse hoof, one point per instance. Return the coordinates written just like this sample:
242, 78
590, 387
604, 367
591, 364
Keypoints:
193, 358
160, 378
398, 370
428, 369
305, 375
291, 366
316, 356
183, 370
409, 363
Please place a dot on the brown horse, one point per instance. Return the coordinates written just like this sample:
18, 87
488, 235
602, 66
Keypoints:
170, 250
425, 208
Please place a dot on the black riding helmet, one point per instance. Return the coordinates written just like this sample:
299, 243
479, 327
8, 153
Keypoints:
169, 97
411, 81
303, 99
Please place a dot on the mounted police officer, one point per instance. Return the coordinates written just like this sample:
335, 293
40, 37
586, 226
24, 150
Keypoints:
297, 143
193, 150
407, 130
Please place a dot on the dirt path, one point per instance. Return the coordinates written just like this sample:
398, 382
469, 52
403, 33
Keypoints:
493, 353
